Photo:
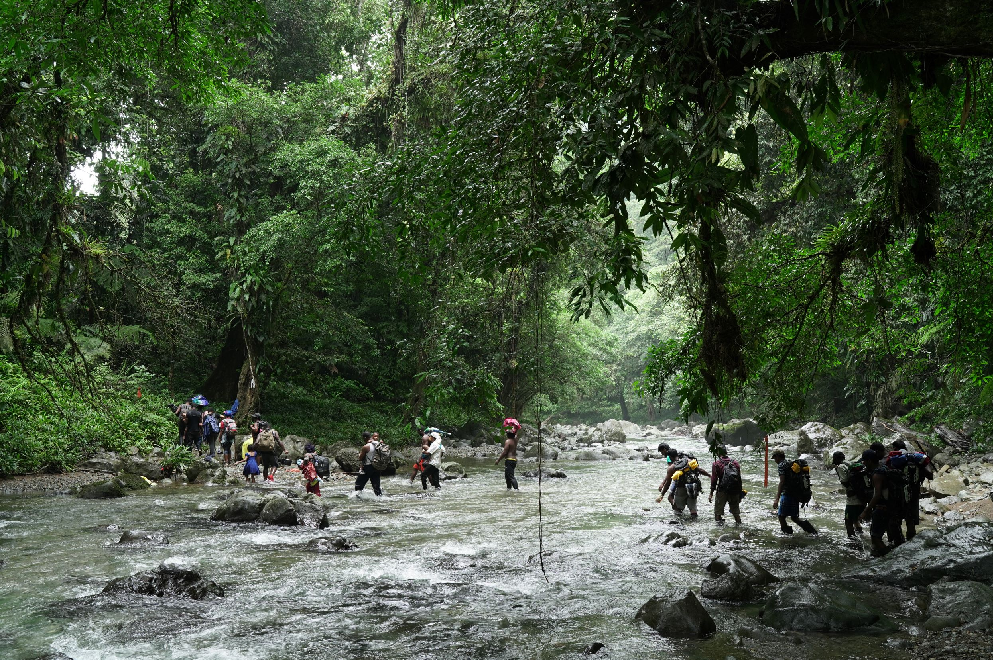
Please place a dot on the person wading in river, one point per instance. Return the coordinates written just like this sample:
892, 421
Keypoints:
787, 503
432, 469
510, 454
725, 479
368, 473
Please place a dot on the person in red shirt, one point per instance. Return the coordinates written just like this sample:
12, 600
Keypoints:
309, 472
725, 479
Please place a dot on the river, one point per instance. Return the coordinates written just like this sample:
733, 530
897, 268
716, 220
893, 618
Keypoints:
447, 574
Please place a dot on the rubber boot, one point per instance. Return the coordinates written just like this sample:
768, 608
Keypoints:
806, 526
787, 529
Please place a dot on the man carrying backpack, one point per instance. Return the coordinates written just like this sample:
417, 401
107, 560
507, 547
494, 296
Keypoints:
432, 468
725, 479
850, 476
880, 509
194, 427
211, 429
793, 490
368, 472
229, 428
683, 476
267, 445
914, 468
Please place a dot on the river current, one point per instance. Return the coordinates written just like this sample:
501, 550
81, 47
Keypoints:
442, 574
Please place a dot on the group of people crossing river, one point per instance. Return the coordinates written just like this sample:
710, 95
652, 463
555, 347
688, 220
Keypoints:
882, 488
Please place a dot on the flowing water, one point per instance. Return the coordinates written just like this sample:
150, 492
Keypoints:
445, 574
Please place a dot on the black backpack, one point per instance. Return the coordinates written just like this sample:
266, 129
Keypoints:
859, 483
897, 487
798, 481
730, 481
323, 466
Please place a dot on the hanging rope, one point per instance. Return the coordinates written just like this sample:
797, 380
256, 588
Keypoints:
540, 306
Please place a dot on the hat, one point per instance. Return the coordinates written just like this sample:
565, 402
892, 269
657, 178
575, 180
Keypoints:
299, 462
435, 435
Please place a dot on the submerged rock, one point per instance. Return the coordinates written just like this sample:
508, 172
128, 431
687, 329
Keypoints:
453, 470
337, 544
139, 537
241, 506
545, 474
310, 513
166, 581
810, 607
964, 552
685, 617
968, 604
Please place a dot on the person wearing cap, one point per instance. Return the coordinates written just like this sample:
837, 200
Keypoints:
228, 430
853, 504
432, 468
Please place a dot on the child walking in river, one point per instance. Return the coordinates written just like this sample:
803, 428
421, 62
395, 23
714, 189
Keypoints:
251, 465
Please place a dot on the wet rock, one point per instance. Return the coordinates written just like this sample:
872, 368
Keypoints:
615, 431
310, 513
453, 470
166, 581
748, 569
964, 552
684, 618
938, 623
594, 648
814, 436
946, 458
133, 481
294, 445
278, 510
241, 506
810, 607
325, 545
347, 458
139, 537
545, 474
103, 490
971, 603
729, 586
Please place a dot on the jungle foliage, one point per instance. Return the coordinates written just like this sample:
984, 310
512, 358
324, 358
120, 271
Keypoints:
352, 213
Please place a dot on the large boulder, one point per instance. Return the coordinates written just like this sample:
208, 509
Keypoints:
736, 578
150, 467
104, 461
294, 445
590, 455
103, 490
453, 470
971, 603
166, 581
959, 553
685, 617
548, 451
815, 436
278, 510
241, 506
310, 512
610, 431
810, 607
347, 457
947, 483
739, 432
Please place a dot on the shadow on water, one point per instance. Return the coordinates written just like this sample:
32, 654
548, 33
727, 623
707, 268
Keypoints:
447, 574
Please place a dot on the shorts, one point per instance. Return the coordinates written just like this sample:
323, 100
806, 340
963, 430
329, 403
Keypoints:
681, 500
879, 523
853, 511
789, 507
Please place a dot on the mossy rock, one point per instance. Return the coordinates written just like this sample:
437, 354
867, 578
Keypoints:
132, 481
102, 490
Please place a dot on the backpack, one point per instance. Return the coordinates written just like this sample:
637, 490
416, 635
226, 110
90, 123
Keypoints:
211, 424
383, 457
266, 440
323, 466
798, 481
897, 487
730, 481
915, 467
859, 482
230, 426
687, 477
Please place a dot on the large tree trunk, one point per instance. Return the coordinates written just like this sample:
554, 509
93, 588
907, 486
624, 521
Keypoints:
223, 382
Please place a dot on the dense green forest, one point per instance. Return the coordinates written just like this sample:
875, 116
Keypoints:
381, 213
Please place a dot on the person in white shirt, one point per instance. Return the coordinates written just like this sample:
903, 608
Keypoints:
432, 467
